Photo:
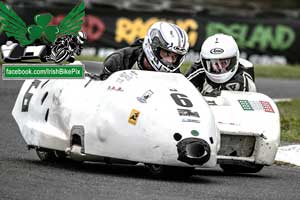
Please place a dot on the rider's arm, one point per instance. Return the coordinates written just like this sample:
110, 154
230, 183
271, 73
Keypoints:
249, 68
112, 63
120, 60
196, 75
248, 75
241, 81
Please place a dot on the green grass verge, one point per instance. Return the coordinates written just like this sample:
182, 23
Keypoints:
290, 120
286, 72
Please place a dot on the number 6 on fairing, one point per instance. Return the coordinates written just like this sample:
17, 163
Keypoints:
181, 100
28, 95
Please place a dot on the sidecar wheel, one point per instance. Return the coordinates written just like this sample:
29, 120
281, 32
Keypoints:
162, 171
51, 155
46, 156
236, 169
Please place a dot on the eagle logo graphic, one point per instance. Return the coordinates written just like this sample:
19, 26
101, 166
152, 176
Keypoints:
15, 27
42, 40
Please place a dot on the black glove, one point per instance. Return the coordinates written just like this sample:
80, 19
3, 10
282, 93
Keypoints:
92, 75
213, 93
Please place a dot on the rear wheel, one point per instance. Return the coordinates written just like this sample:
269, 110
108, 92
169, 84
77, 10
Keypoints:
235, 169
162, 171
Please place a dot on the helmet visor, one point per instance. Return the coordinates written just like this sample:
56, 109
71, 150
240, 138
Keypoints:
168, 58
219, 66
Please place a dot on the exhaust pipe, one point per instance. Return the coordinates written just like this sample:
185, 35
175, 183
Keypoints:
193, 151
75, 153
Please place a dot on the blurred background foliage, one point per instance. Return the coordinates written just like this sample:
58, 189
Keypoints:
248, 8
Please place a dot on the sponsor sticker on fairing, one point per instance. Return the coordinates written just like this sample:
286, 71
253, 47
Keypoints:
145, 96
188, 113
245, 105
256, 106
190, 120
126, 76
211, 103
133, 117
115, 88
267, 106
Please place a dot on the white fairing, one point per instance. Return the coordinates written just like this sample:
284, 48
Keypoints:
241, 117
104, 109
28, 52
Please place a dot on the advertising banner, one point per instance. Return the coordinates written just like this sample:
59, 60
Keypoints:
261, 40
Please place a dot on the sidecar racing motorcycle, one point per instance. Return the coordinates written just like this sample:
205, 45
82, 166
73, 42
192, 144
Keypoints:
158, 119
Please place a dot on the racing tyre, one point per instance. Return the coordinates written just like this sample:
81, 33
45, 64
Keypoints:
51, 156
61, 55
236, 169
162, 171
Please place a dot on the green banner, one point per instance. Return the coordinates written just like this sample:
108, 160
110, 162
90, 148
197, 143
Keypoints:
48, 71
264, 40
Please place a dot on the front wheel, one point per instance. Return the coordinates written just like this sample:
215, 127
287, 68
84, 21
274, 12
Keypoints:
163, 171
235, 169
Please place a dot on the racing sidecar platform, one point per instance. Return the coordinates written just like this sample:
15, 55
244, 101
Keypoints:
139, 116
159, 119
249, 125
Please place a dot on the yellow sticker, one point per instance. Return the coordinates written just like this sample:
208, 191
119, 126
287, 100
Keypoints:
133, 117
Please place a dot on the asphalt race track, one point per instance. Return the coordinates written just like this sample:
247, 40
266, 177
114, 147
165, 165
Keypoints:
279, 88
23, 176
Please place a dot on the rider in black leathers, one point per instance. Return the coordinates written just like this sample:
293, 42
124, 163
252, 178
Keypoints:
163, 49
66, 47
221, 68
